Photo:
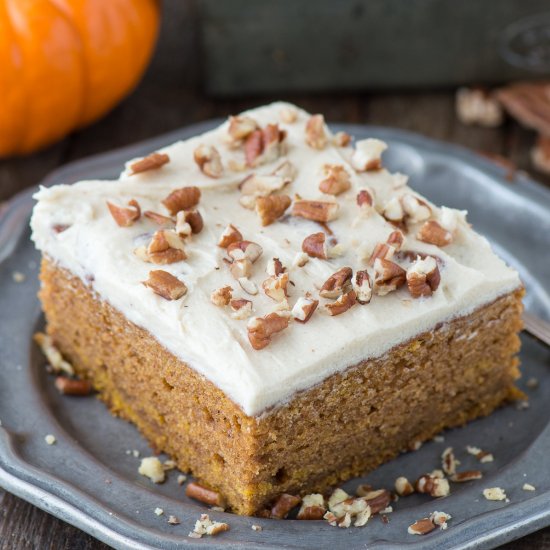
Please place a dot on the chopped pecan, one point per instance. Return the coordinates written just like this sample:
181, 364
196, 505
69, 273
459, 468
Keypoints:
337, 179
362, 285
304, 308
364, 198
244, 250
150, 162
449, 461
241, 268
416, 209
478, 106
189, 221
221, 296
202, 494
300, 259
264, 146
318, 211
159, 219
275, 267
434, 485
276, 287
423, 277
182, 199
240, 127
383, 251
283, 505
368, 155
421, 527
403, 487
208, 160
338, 283
440, 519
125, 217
388, 276
165, 284
433, 233
466, 475
393, 210
248, 286
315, 246
529, 103
342, 304
253, 147
242, 309
229, 236
377, 500
341, 139
260, 185
316, 136
289, 115
73, 386
271, 208
313, 507
396, 240
261, 329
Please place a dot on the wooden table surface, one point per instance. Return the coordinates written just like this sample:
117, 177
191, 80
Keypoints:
170, 97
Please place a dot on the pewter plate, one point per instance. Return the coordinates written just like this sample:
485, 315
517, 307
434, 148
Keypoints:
89, 480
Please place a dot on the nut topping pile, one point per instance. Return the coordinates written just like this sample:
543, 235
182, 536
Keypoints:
322, 271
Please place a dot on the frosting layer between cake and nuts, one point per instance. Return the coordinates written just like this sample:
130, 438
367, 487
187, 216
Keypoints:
269, 253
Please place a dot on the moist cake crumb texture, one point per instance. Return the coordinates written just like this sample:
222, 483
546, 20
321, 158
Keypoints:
276, 310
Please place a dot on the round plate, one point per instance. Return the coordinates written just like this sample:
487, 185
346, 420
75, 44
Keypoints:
89, 477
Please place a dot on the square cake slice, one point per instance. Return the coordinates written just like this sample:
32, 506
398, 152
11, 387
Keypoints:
273, 308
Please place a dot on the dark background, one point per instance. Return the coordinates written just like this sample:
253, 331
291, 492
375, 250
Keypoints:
171, 96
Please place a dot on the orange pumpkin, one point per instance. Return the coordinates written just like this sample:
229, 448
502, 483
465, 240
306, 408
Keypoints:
65, 63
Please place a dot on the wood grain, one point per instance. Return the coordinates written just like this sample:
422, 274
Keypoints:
169, 97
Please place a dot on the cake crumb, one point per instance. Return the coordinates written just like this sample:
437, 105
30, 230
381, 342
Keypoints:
416, 445
494, 493
532, 383
256, 527
205, 526
528, 487
173, 520
18, 277
438, 439
50, 439
135, 453
151, 467
522, 405
182, 479
159, 511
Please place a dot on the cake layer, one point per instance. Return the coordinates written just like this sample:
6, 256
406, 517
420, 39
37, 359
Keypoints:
346, 425
74, 228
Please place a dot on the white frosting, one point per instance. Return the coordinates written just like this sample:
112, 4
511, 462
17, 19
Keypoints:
206, 336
